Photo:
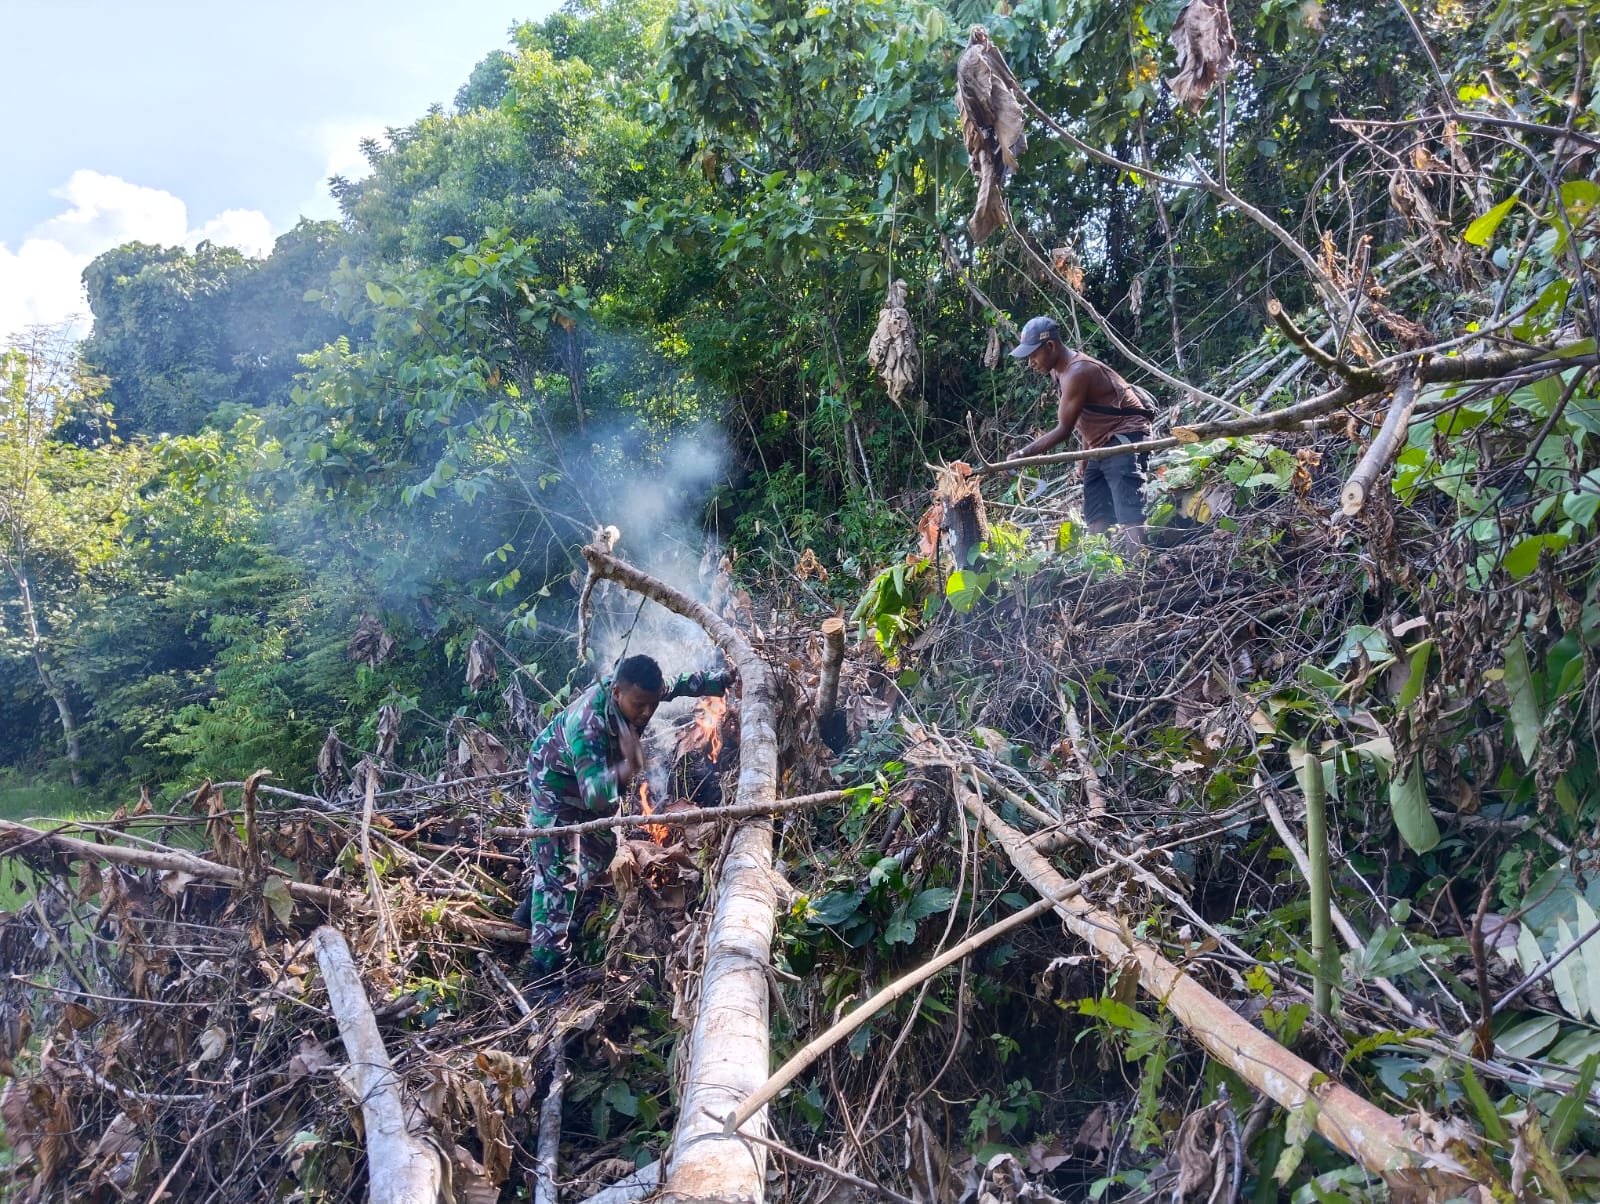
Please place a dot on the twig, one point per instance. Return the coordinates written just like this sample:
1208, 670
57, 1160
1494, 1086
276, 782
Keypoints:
857, 1016
833, 1172
1037, 814
1360, 377
1080, 750
697, 815
505, 984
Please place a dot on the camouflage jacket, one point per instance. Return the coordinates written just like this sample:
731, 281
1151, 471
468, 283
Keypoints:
572, 767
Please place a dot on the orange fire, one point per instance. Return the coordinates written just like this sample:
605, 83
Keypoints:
705, 730
656, 832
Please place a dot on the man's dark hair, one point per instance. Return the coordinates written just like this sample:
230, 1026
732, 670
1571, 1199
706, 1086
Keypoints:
640, 671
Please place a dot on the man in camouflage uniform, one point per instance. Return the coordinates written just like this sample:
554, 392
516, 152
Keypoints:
577, 769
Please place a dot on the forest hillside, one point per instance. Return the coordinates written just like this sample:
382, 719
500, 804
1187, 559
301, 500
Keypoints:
1254, 857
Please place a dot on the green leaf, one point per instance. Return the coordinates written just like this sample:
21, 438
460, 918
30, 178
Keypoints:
1408, 799
621, 1099
1562, 976
1482, 228
930, 902
1573, 1104
375, 292
1488, 1117
1418, 675
1530, 1038
1525, 723
1589, 978
1302, 1123
834, 909
1581, 504
1523, 558
964, 589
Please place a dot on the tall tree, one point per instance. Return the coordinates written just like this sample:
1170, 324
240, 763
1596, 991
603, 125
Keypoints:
62, 506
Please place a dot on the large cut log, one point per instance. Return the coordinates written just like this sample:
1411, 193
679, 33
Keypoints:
1359, 1128
729, 1050
402, 1168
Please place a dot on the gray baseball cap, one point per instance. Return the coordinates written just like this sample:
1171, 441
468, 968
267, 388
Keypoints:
1035, 332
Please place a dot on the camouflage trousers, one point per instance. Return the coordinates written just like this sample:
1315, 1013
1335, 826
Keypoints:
562, 896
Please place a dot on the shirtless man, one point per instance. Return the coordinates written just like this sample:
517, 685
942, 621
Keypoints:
1104, 410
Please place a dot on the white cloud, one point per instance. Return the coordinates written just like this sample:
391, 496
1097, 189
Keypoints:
40, 281
106, 212
247, 229
340, 144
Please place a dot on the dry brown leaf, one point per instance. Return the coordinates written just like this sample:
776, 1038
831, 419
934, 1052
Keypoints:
1094, 1135
478, 752
1203, 38
471, 1180
388, 732
482, 667
893, 353
370, 644
992, 127
311, 1058
213, 1041
330, 761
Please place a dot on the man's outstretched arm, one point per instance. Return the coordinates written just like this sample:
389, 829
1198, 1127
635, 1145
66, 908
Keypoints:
1073, 395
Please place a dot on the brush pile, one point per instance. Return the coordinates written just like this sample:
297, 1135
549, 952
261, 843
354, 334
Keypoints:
1075, 729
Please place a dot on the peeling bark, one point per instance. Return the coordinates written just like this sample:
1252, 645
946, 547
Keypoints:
1357, 1127
402, 1168
729, 1045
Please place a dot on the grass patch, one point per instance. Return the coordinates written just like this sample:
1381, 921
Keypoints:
28, 802
22, 801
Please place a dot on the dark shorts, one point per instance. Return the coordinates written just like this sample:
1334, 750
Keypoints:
1113, 488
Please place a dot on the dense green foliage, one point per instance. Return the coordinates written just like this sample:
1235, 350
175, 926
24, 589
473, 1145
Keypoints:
631, 277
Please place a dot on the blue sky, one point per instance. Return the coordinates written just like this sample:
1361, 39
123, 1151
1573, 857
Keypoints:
173, 120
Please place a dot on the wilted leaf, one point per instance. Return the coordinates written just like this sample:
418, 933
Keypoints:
482, 667
992, 126
311, 1058
211, 1044
275, 891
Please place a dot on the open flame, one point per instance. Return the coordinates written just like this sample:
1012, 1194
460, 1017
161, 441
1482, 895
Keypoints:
656, 832
705, 727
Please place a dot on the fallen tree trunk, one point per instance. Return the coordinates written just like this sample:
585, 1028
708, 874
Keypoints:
729, 1045
402, 1168
1365, 1132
